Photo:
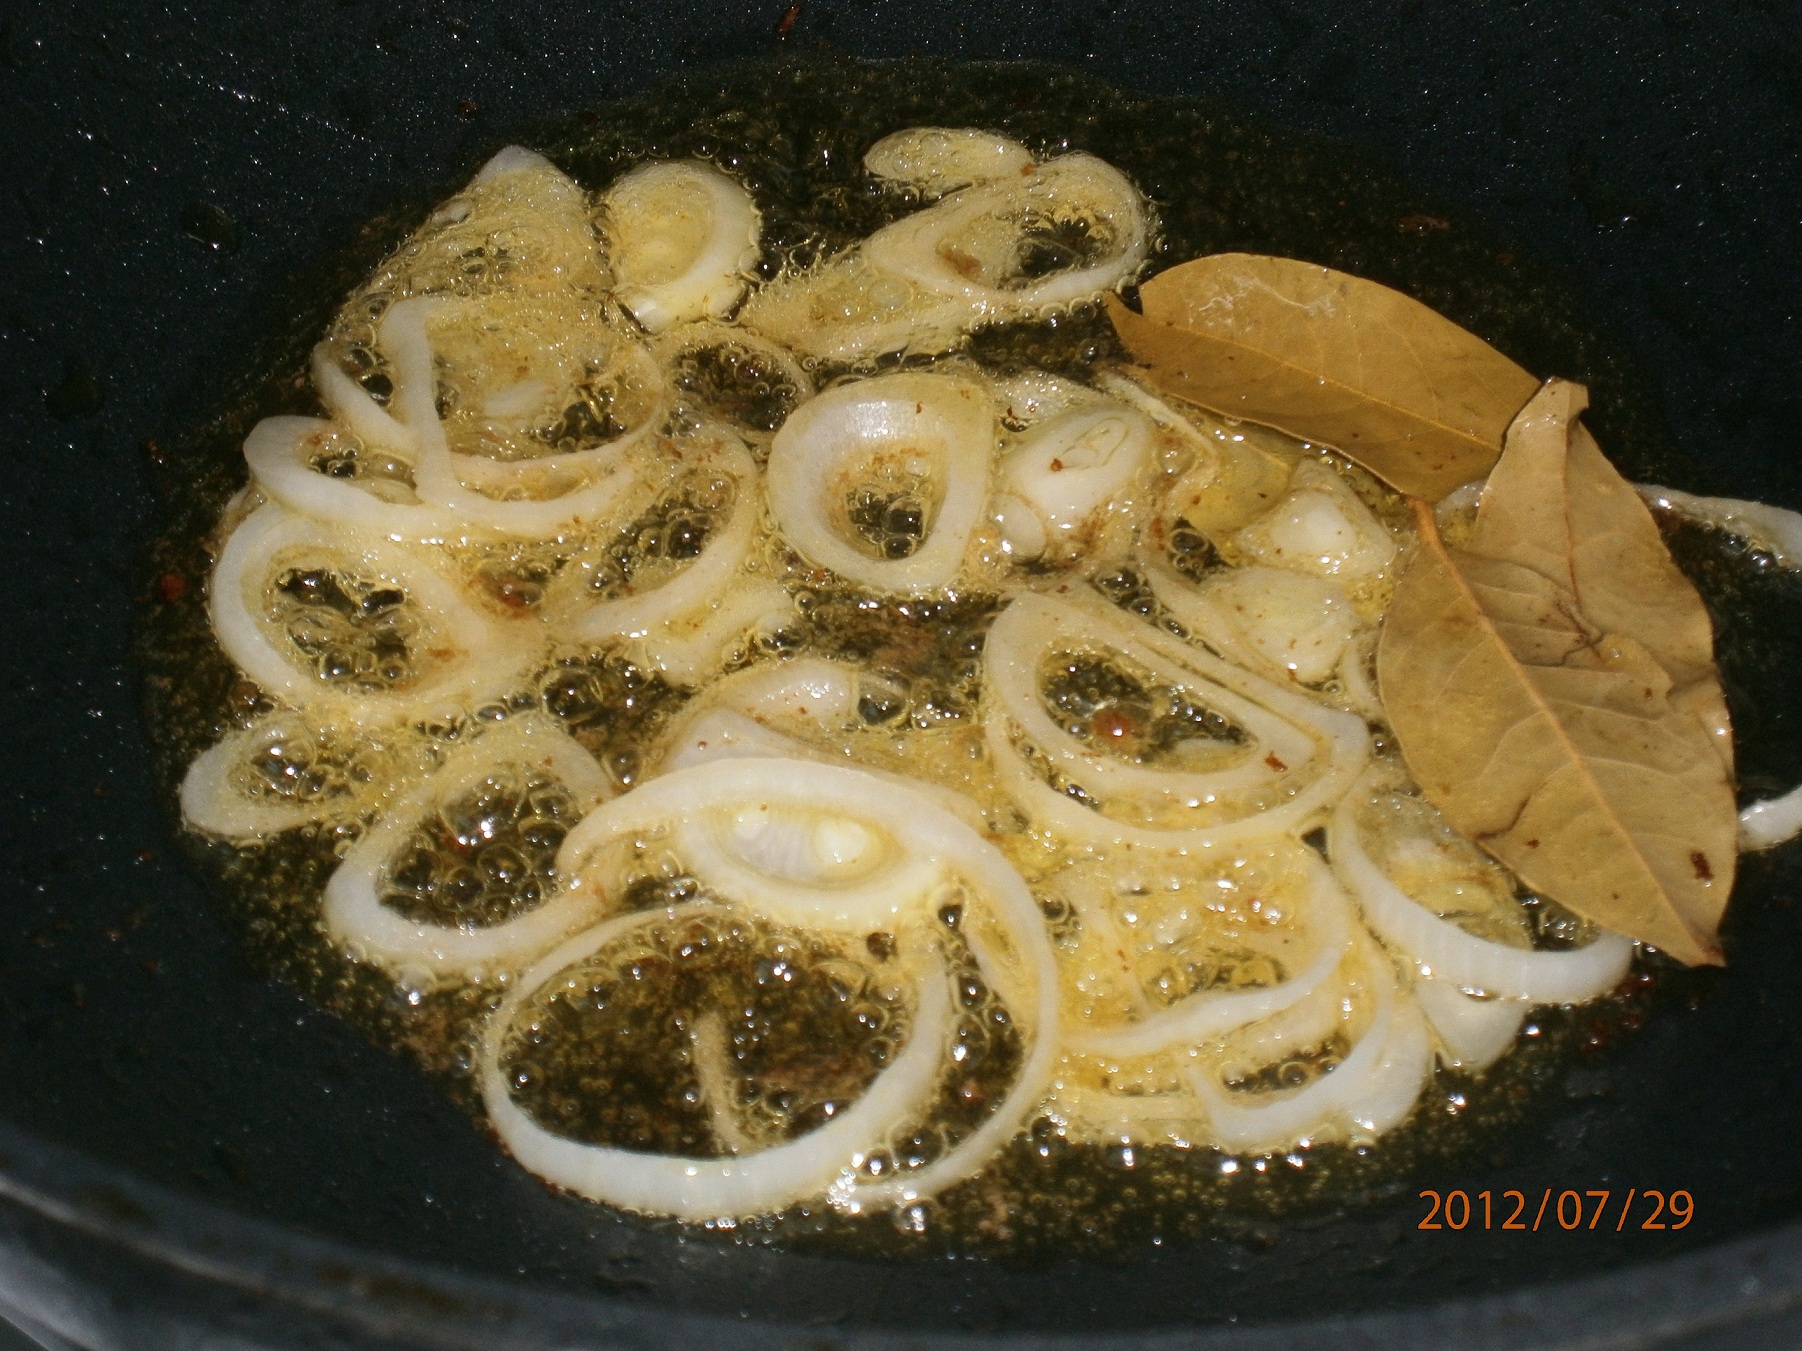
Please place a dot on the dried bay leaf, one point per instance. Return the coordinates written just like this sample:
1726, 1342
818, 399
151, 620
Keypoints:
1553, 689
1332, 359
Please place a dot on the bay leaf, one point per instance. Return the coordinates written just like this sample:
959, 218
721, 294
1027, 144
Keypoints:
1553, 690
1330, 358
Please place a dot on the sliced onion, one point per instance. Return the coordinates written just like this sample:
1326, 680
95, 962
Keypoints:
920, 284
1070, 470
934, 835
1473, 1033
1767, 824
822, 869
1289, 624
211, 802
843, 310
1322, 527
275, 449
964, 246
1295, 746
527, 478
1775, 530
707, 583
698, 1189
356, 917
817, 694
938, 426
477, 655
1371, 1090
936, 160
353, 406
1446, 952
693, 647
404, 335
683, 238
1208, 1014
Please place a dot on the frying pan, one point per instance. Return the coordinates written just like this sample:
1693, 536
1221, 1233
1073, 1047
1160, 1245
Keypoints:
191, 1155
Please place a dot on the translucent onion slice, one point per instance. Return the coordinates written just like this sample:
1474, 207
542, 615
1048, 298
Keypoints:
739, 1185
1069, 471
475, 656
688, 650
404, 336
1209, 1014
352, 405
705, 589
741, 717
1446, 952
210, 801
1767, 824
1322, 527
1371, 1090
531, 477
819, 868
1775, 530
934, 427
937, 160
1294, 745
276, 451
683, 239
843, 310
1473, 1033
968, 245
355, 916
1288, 624
932, 834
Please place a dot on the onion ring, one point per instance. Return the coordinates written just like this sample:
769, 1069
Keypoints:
945, 422
1448, 953
699, 1189
484, 654
354, 913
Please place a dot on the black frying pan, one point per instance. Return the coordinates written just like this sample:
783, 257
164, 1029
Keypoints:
185, 1144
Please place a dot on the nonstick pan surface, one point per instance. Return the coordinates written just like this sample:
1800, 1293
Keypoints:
185, 1143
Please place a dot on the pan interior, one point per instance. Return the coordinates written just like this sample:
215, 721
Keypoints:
181, 1063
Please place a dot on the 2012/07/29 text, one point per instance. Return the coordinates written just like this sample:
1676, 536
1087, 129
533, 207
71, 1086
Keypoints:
1567, 1209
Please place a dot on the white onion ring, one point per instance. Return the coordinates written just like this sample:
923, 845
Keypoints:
1443, 951
936, 160
701, 583
688, 657
1473, 1033
933, 834
698, 1189
707, 283
1299, 733
1210, 1013
1371, 1090
1767, 824
820, 693
523, 476
352, 405
948, 418
355, 916
210, 802
488, 654
1205, 611
1070, 468
917, 247
403, 334
273, 450
1776, 530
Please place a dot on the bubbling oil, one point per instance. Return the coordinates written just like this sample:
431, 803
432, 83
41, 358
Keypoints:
575, 1064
